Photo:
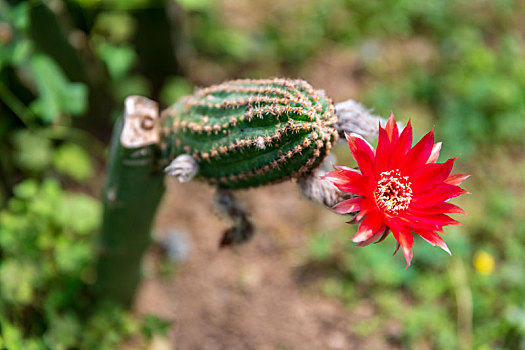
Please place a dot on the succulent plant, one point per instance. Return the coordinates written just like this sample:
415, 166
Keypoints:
234, 135
246, 133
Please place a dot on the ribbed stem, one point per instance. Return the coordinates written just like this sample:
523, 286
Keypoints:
246, 133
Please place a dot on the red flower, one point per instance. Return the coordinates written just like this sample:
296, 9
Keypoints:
400, 188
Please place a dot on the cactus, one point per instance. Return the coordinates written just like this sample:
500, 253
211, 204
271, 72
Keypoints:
237, 134
246, 133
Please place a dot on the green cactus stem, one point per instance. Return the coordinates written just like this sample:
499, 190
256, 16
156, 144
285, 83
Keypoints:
134, 187
246, 133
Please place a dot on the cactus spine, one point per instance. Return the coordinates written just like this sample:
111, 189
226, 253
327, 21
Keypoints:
246, 133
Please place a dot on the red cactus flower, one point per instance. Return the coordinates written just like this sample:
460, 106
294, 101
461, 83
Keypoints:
400, 188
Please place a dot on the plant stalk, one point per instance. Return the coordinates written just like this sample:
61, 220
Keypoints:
131, 195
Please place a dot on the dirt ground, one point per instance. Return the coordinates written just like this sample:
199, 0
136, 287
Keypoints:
252, 296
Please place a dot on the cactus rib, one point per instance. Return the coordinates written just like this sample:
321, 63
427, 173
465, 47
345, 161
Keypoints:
246, 133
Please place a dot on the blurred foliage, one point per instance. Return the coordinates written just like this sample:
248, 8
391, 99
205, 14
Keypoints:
74, 161
64, 73
67, 65
47, 266
425, 301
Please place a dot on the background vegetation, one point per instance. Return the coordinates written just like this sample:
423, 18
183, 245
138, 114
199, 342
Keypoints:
66, 66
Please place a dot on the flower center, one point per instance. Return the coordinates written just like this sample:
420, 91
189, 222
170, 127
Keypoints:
393, 193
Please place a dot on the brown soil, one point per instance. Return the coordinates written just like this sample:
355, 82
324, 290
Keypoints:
251, 296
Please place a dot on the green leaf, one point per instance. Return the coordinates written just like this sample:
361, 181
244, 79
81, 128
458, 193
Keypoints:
11, 336
73, 161
63, 333
15, 52
17, 280
47, 201
26, 189
46, 241
20, 15
79, 212
153, 325
32, 152
132, 85
114, 27
118, 59
175, 88
116, 4
22, 49
195, 5
57, 95
71, 256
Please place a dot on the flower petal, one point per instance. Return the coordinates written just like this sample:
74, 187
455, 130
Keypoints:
430, 175
404, 237
427, 223
347, 180
354, 221
439, 193
356, 187
434, 155
380, 234
385, 234
342, 167
434, 239
362, 152
456, 179
368, 228
431, 221
383, 152
440, 208
391, 129
403, 145
341, 176
348, 206
419, 154
361, 215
